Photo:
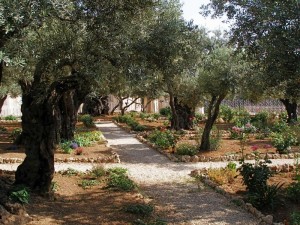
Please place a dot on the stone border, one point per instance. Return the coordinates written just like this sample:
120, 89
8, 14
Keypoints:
263, 219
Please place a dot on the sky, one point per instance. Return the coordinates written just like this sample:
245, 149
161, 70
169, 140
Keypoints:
191, 9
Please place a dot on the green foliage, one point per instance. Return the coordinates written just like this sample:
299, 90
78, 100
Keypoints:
226, 113
279, 127
3, 129
85, 139
231, 166
163, 139
165, 112
88, 183
242, 117
293, 192
10, 117
296, 130
283, 141
260, 120
198, 118
87, 120
54, 186
295, 218
20, 194
66, 147
98, 171
118, 180
255, 177
130, 121
140, 209
186, 149
15, 133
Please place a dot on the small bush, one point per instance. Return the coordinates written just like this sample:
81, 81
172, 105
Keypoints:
98, 171
15, 133
20, 194
186, 149
283, 141
10, 117
87, 120
130, 121
293, 192
88, 183
260, 120
279, 127
165, 112
66, 147
54, 186
140, 209
163, 139
85, 139
3, 129
226, 113
222, 176
231, 166
242, 117
118, 180
215, 139
295, 218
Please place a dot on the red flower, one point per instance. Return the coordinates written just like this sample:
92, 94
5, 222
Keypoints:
254, 147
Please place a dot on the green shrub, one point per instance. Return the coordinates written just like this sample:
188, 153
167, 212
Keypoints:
144, 115
3, 129
98, 171
10, 117
118, 180
242, 117
54, 186
85, 139
293, 192
165, 112
199, 117
215, 139
296, 130
255, 177
65, 146
186, 149
86, 183
260, 120
15, 133
87, 120
163, 139
231, 166
140, 209
295, 218
226, 113
130, 121
283, 141
155, 116
279, 127
20, 194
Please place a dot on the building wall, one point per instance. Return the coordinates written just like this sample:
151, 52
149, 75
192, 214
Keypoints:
12, 106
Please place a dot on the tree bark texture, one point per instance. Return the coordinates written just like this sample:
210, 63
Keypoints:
212, 114
291, 109
185, 115
41, 118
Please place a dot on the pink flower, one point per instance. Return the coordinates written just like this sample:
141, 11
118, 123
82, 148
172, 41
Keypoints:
267, 146
254, 147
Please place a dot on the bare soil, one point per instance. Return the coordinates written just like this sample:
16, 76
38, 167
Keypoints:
71, 204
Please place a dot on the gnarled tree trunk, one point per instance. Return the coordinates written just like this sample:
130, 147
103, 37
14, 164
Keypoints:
185, 115
291, 108
40, 123
212, 114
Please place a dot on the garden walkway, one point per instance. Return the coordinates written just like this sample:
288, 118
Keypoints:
168, 183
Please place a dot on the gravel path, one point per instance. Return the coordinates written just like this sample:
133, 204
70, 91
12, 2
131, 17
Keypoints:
170, 185
167, 183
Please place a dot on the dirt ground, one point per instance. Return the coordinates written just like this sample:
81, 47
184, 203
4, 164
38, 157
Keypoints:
71, 204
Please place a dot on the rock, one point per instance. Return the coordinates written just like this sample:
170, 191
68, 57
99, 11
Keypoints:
186, 158
194, 158
268, 219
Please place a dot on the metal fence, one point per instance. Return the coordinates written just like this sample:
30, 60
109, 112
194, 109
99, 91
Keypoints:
270, 105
